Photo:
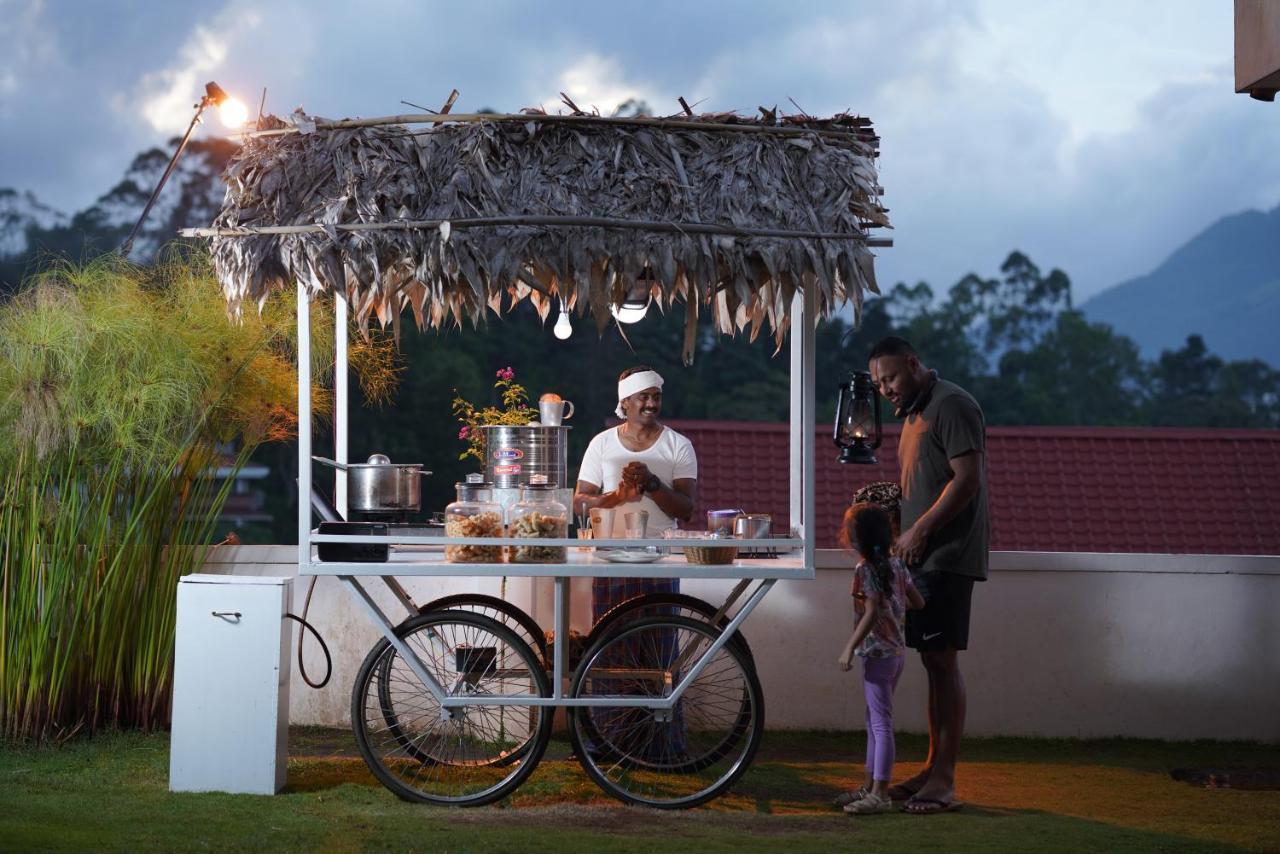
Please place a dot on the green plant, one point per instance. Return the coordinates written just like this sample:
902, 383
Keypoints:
514, 411
122, 391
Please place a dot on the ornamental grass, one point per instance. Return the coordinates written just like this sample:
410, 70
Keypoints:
122, 391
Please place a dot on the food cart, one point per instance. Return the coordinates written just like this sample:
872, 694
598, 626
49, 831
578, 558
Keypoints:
453, 705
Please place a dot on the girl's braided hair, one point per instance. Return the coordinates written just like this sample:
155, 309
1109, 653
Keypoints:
868, 530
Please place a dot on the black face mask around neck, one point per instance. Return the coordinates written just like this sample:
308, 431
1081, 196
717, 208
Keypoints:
920, 399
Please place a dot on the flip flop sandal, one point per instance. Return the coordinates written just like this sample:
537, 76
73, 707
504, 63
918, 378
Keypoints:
846, 798
901, 793
933, 806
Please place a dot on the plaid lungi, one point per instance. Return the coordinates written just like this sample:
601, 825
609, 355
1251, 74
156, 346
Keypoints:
608, 592
651, 740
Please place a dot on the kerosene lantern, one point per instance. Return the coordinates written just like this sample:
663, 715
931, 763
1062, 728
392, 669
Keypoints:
858, 430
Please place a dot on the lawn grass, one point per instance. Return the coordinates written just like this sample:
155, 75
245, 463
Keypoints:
1021, 794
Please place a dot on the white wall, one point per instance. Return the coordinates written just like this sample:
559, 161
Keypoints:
1157, 646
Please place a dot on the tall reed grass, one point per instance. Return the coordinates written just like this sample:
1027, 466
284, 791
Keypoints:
121, 391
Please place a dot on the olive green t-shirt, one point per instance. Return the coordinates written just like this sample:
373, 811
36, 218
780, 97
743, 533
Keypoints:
948, 425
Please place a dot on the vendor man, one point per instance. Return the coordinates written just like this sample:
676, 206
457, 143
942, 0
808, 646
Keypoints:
638, 465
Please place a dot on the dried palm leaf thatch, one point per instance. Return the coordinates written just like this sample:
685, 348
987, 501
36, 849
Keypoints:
731, 216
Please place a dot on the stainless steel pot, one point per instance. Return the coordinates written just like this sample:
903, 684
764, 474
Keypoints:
381, 486
752, 526
722, 521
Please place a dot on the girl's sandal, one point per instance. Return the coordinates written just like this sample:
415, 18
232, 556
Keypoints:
869, 805
845, 798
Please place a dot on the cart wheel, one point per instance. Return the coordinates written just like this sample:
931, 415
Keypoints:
687, 755
473, 755
663, 605
489, 606
498, 609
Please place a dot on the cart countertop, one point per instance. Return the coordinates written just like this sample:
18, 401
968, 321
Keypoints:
419, 561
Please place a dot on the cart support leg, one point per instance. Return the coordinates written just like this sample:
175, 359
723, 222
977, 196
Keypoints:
718, 643
397, 589
562, 636
729, 602
389, 632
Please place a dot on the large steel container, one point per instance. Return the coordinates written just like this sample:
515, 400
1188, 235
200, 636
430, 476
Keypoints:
513, 455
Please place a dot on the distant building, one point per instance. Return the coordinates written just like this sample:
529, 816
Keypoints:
1258, 48
244, 505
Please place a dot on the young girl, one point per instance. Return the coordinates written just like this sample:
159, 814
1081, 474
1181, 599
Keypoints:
882, 592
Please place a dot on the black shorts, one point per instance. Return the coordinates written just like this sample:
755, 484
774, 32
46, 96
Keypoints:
943, 622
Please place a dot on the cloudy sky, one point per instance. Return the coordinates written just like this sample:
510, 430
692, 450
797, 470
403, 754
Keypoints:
1092, 134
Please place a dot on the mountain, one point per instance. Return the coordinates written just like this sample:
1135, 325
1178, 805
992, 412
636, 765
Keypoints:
20, 214
193, 195
1223, 284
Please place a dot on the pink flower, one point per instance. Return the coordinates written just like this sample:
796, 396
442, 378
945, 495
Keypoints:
464, 432
506, 373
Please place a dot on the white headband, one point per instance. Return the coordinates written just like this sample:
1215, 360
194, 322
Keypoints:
635, 383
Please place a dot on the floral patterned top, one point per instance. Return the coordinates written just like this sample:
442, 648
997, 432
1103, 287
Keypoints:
885, 640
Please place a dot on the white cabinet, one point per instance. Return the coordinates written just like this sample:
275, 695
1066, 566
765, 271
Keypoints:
230, 685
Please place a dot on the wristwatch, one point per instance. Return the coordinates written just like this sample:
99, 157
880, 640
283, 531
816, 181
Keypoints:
653, 484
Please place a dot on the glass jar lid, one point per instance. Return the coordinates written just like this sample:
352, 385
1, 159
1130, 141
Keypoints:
474, 488
538, 483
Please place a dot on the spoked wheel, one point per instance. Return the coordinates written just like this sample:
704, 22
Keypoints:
489, 606
466, 756
669, 759
498, 609
662, 605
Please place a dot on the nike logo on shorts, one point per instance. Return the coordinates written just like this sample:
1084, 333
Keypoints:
931, 637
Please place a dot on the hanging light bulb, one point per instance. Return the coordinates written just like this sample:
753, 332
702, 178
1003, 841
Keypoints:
636, 304
631, 312
563, 328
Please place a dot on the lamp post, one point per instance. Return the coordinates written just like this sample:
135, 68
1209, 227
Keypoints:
858, 431
233, 115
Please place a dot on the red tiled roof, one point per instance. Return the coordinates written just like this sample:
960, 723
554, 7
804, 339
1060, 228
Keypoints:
1078, 489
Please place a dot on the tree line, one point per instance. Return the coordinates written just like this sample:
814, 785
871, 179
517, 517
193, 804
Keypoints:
1015, 340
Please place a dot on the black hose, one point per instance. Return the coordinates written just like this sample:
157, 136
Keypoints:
328, 660
328, 513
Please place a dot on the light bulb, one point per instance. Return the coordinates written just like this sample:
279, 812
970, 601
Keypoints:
563, 328
233, 112
630, 312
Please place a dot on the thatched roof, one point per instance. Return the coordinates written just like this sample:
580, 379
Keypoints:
725, 214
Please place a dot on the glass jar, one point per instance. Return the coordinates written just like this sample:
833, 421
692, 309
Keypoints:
538, 514
474, 514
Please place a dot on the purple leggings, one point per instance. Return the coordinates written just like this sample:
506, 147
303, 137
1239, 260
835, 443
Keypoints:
879, 678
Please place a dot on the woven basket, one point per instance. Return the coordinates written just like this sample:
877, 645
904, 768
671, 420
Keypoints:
710, 554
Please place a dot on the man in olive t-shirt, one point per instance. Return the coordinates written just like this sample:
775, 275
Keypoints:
944, 542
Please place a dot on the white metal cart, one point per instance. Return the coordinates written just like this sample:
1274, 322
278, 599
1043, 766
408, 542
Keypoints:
454, 704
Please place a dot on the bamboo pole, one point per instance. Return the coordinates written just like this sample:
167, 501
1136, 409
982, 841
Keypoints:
862, 130
572, 221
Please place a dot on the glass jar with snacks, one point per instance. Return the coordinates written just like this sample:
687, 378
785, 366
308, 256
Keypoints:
538, 515
474, 514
